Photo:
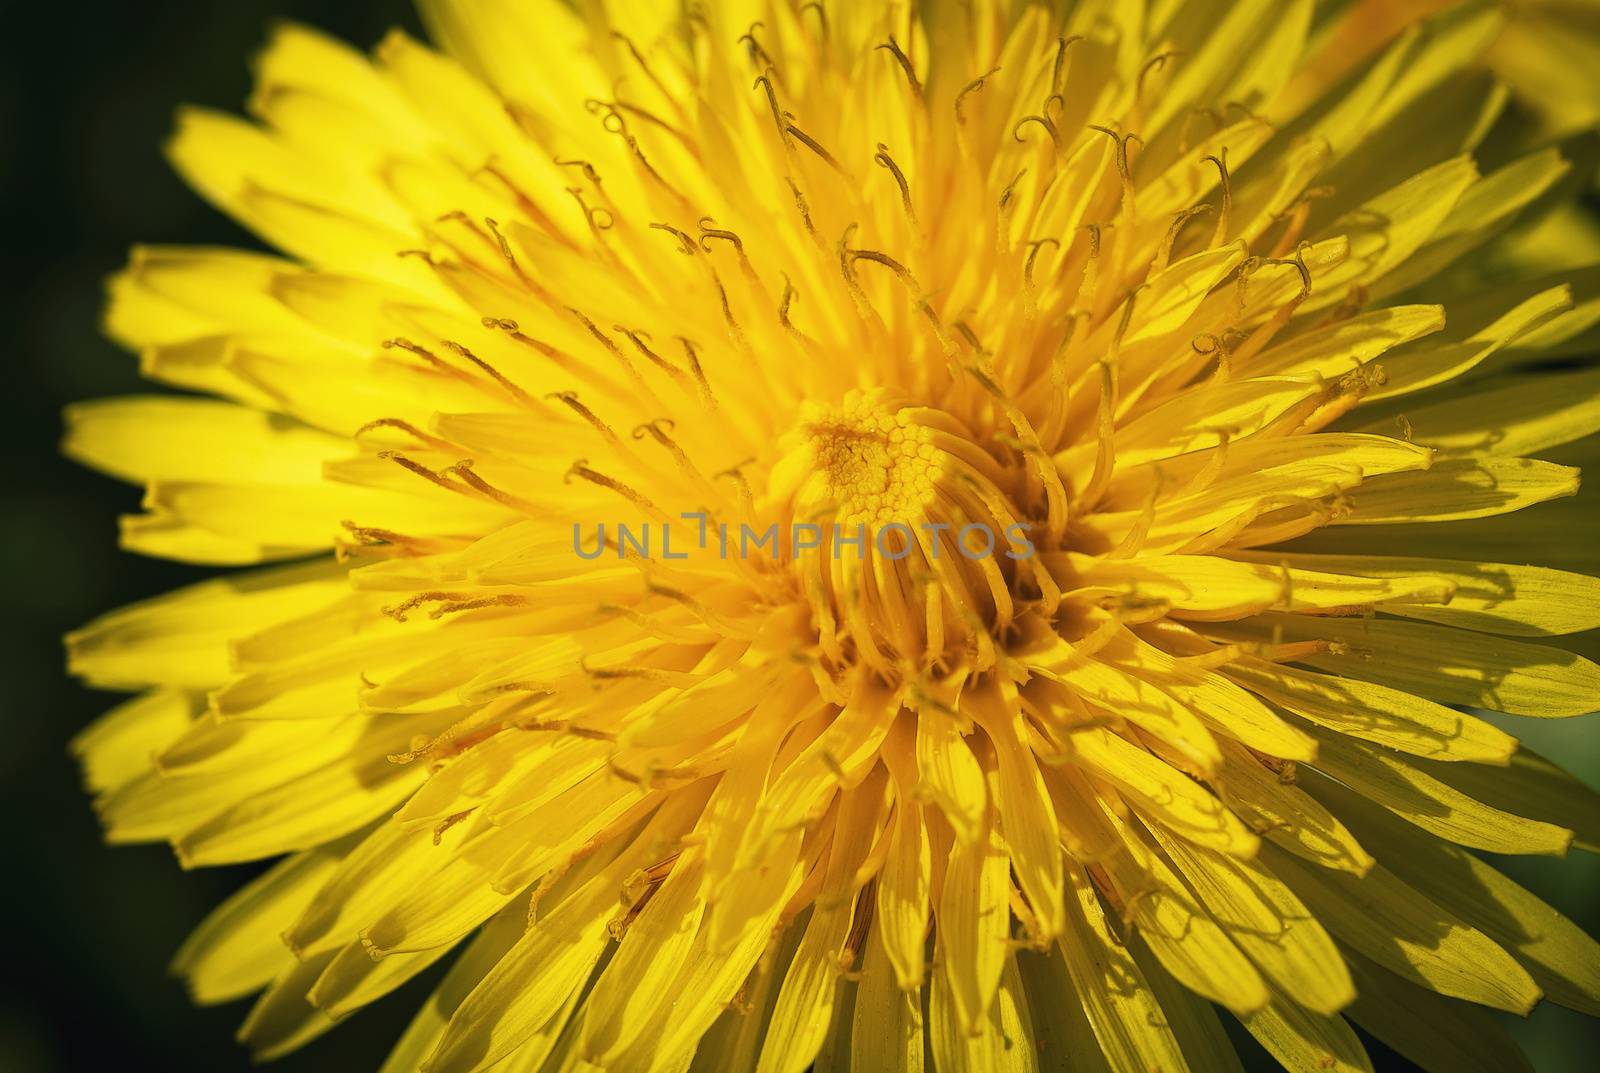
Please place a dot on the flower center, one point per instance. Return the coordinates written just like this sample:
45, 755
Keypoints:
862, 463
909, 544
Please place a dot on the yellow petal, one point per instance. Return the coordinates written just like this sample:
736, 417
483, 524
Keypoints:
974, 925
301, 812
1223, 706
734, 1040
903, 893
423, 1033
1001, 1042
1195, 1023
1523, 415
494, 41
283, 194
1447, 665
1179, 931
530, 984
1129, 1025
692, 1001
319, 382
1085, 830
352, 979
1022, 803
1257, 476
120, 745
1192, 177
200, 440
493, 865
245, 810
184, 637
1499, 539
236, 949
281, 1019
1330, 61
1166, 795
1435, 806
1531, 786
300, 57
515, 776
1205, 587
799, 1022
1559, 955
169, 294
949, 775
1390, 227
1285, 814
310, 518
1262, 915
1380, 714
542, 972
649, 956
1439, 1035
1174, 294
843, 755
1396, 926
1300, 1039
1124, 695
165, 536
1487, 207
1271, 35
472, 120
1240, 406
1346, 345
1420, 368
1523, 601
1416, 112
886, 1025
1549, 265
375, 872
1458, 489
1062, 1036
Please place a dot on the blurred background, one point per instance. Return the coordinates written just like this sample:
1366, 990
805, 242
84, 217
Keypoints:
87, 94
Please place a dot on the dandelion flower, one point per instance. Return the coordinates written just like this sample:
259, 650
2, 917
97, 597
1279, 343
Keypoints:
867, 534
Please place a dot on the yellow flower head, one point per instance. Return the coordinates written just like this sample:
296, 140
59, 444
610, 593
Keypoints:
848, 532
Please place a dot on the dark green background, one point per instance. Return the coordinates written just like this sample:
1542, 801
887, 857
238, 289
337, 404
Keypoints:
86, 97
